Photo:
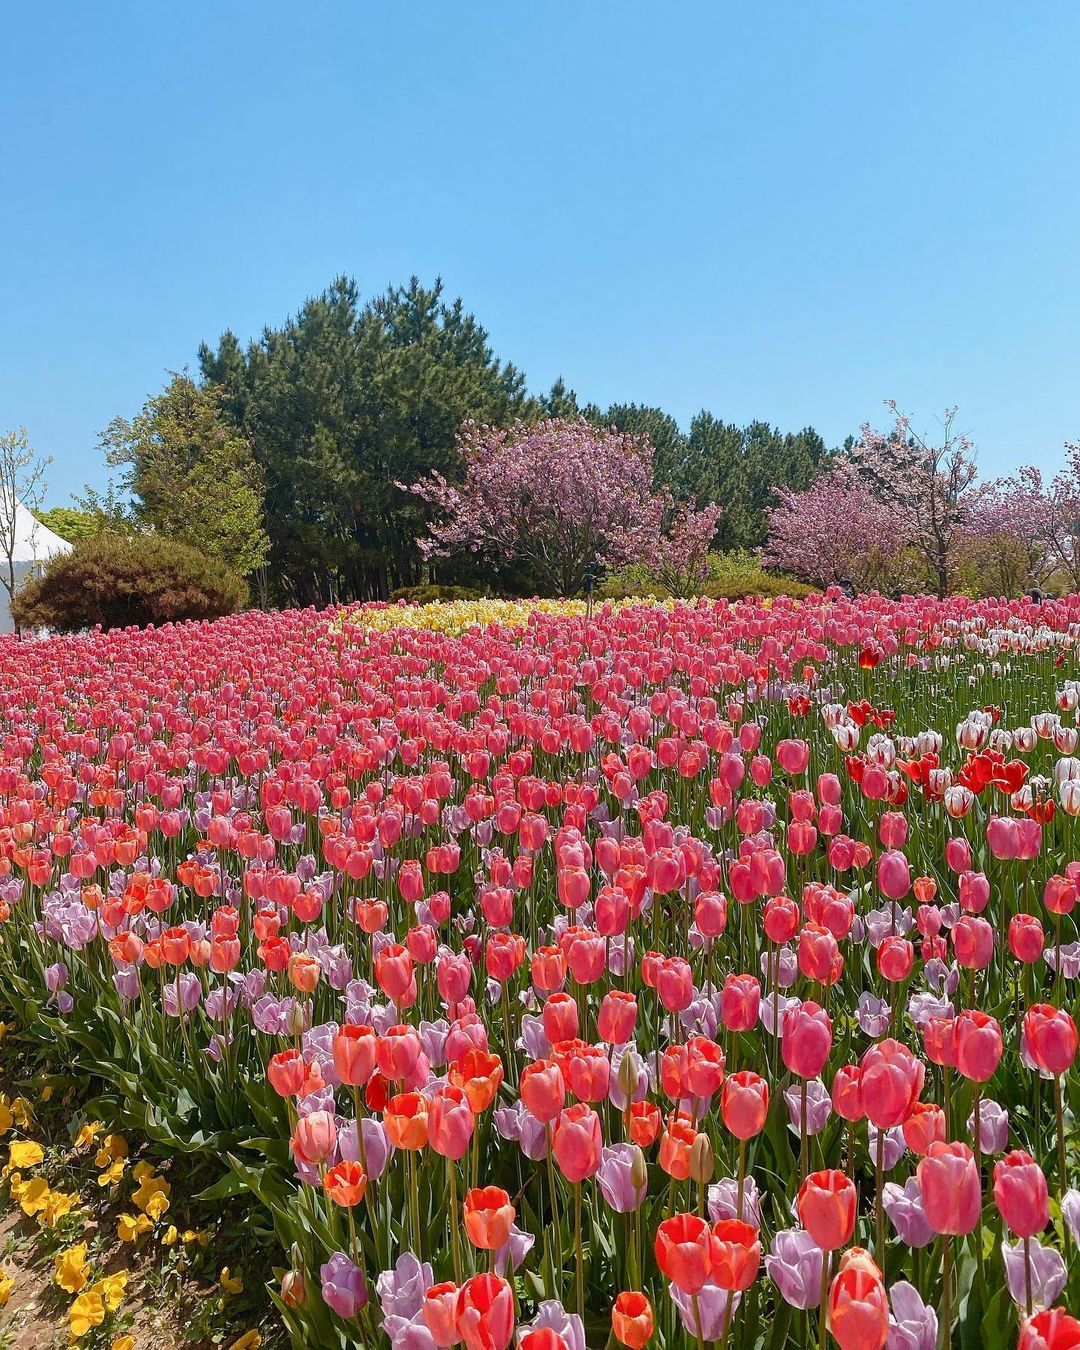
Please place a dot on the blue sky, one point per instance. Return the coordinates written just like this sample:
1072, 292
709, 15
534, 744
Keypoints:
788, 211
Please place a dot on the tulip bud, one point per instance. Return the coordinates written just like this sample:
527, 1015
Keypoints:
639, 1172
293, 1289
296, 1020
629, 1074
702, 1162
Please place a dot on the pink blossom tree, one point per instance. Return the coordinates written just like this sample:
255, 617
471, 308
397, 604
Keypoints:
928, 484
837, 531
673, 542
1063, 520
1007, 537
556, 494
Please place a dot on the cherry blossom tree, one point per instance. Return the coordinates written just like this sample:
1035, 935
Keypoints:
837, 531
1063, 520
1008, 533
557, 495
928, 483
682, 550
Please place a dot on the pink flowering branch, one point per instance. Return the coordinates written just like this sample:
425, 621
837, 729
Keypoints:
556, 495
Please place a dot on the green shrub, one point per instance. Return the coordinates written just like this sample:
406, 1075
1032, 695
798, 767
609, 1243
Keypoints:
120, 580
428, 593
732, 576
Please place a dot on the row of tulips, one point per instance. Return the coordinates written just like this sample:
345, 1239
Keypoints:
700, 972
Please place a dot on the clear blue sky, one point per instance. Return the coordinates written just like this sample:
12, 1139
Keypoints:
788, 210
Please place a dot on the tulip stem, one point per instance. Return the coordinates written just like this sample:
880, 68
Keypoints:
826, 1260
579, 1252
1027, 1275
741, 1184
554, 1205
1059, 1119
455, 1215
697, 1320
977, 1113
879, 1208
946, 1292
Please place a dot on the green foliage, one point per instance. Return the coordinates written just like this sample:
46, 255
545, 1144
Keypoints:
191, 474
732, 576
70, 523
718, 461
343, 403
117, 580
427, 593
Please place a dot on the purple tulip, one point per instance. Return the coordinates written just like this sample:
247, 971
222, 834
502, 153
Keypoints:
377, 1147
408, 1333
126, 983
401, 1290
343, 1286
723, 1201
1070, 1212
516, 1248
553, 1315
993, 1126
640, 1088
614, 1179
794, 1266
893, 1147
182, 993
1047, 1273
783, 1003
873, 1015
818, 1106
712, 1305
904, 1206
518, 1124
912, 1326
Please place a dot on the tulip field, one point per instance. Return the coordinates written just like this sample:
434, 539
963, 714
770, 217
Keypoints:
546, 977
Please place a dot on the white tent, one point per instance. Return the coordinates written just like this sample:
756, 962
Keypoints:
35, 544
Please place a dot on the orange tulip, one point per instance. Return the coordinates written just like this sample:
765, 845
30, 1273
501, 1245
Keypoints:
405, 1118
489, 1216
632, 1319
479, 1075
345, 1184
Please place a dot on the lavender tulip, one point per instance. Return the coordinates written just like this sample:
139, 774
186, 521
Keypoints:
794, 1266
343, 1286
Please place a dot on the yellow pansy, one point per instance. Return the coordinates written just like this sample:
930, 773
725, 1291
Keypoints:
24, 1153
6, 1118
124, 1343
113, 1173
143, 1171
6, 1286
170, 1235
47, 1092
87, 1312
250, 1340
199, 1235
232, 1284
88, 1132
34, 1196
152, 1197
130, 1226
113, 1146
20, 1109
5, 1027
72, 1271
58, 1206
112, 1290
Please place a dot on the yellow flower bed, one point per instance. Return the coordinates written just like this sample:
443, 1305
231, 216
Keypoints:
454, 617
